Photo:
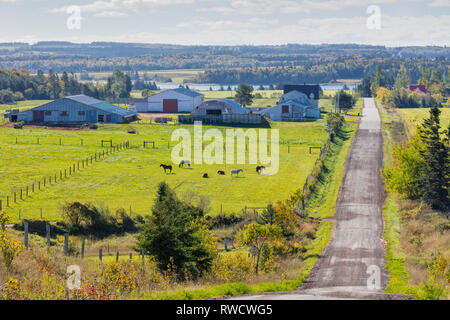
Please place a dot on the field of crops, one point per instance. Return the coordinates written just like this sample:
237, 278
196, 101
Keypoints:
129, 177
412, 117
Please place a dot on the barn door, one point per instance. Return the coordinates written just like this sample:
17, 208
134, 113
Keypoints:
170, 105
38, 116
108, 118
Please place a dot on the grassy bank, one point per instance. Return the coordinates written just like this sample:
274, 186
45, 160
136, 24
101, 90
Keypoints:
415, 235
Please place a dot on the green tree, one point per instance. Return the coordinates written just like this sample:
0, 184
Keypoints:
175, 234
257, 236
268, 215
436, 167
406, 175
403, 79
244, 94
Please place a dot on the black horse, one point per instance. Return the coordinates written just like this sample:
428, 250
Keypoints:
205, 175
166, 168
220, 172
259, 169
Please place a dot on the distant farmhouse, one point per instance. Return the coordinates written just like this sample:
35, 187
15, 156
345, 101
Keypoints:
418, 88
75, 109
170, 101
299, 103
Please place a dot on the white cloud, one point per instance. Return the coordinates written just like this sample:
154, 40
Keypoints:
440, 3
101, 8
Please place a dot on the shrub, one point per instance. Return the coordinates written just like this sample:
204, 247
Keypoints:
233, 267
9, 248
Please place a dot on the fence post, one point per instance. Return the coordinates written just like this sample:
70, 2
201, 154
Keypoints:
47, 232
66, 243
117, 256
1, 205
100, 254
7, 201
82, 248
15, 198
25, 234
3, 227
44, 181
20, 193
20, 213
226, 244
143, 257
41, 213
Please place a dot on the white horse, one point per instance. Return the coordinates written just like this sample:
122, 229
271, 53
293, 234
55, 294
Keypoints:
236, 172
183, 162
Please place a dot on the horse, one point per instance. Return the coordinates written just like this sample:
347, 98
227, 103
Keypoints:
259, 169
166, 168
205, 175
220, 172
183, 162
236, 172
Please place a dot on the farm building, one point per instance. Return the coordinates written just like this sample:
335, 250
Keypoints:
170, 101
76, 109
311, 91
219, 107
222, 111
418, 88
293, 106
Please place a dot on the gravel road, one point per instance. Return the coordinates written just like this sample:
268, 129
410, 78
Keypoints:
352, 265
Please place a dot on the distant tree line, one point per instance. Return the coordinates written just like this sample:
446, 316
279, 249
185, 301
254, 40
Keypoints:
17, 85
394, 91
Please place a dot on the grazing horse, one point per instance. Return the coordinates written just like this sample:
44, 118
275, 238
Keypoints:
205, 175
259, 169
236, 172
166, 168
220, 172
183, 162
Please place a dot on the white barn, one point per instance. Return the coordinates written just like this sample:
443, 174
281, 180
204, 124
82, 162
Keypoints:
293, 106
170, 101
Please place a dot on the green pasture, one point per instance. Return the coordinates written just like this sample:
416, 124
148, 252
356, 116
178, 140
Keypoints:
23, 105
129, 178
412, 117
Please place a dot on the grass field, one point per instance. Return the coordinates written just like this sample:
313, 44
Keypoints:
129, 178
412, 117
23, 105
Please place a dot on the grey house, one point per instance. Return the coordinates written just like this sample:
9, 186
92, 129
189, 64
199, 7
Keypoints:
76, 109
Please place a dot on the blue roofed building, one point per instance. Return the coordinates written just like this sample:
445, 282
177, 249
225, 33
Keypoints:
76, 109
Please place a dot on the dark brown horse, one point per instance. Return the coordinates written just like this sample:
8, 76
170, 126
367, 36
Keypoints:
166, 168
220, 172
259, 169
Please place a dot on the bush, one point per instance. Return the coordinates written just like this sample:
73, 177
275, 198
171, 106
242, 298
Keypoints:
233, 267
81, 218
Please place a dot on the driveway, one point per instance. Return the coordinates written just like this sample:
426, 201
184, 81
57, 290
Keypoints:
352, 265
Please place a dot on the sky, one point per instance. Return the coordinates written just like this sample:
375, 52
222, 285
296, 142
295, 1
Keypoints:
228, 22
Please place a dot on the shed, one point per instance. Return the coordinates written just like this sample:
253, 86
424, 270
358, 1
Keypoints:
77, 109
170, 101
219, 107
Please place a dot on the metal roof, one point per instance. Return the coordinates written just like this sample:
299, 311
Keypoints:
187, 92
101, 105
234, 105
81, 98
